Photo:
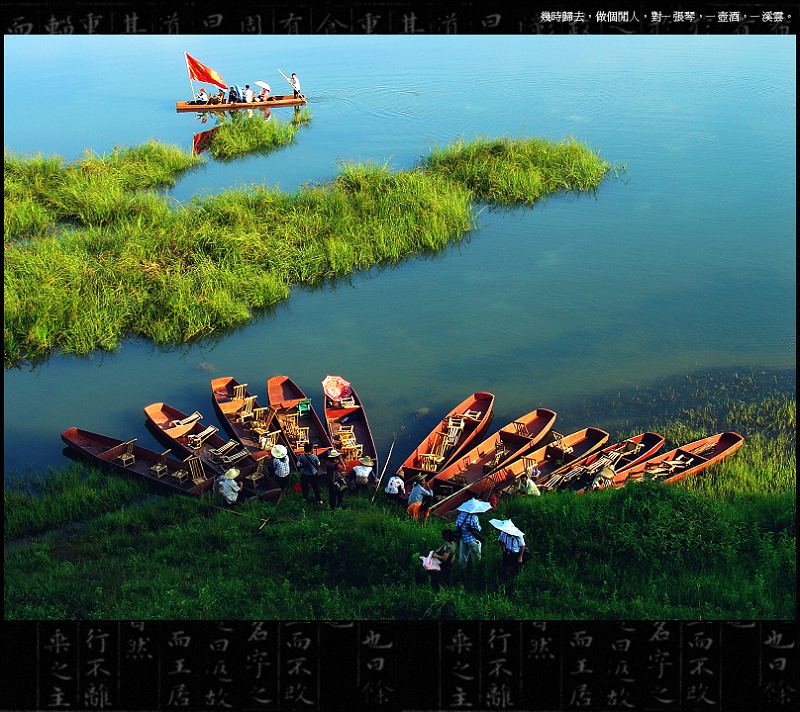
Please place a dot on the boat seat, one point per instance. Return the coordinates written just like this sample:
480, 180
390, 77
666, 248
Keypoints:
430, 461
344, 429
196, 471
455, 421
302, 435
261, 420
269, 440
472, 414
520, 428
197, 440
234, 458
223, 449
160, 468
289, 420
347, 402
126, 457
247, 412
304, 406
187, 420
353, 452
240, 392
258, 473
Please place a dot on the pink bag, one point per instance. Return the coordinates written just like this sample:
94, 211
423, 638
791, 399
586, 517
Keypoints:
430, 563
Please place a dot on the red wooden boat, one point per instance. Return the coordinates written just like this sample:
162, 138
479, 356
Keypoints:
509, 443
349, 428
549, 459
450, 438
125, 456
608, 466
271, 103
686, 460
218, 455
248, 422
296, 417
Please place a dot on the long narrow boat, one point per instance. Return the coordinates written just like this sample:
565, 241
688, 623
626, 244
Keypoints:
686, 460
273, 101
296, 416
245, 420
608, 466
107, 451
549, 459
450, 438
162, 419
506, 445
349, 413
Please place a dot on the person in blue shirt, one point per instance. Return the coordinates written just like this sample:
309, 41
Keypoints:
418, 491
512, 545
468, 528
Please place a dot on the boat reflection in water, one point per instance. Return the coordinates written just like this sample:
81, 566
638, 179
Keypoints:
202, 140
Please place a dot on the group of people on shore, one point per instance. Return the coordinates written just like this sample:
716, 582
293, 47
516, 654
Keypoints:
238, 95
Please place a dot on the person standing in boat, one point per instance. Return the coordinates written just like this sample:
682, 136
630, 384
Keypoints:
309, 472
280, 465
228, 487
295, 82
335, 479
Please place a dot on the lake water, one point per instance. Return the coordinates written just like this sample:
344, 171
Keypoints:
685, 262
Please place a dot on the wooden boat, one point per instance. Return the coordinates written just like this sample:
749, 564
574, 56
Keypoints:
687, 460
125, 456
245, 420
217, 455
296, 417
605, 467
450, 438
273, 101
506, 445
349, 428
550, 459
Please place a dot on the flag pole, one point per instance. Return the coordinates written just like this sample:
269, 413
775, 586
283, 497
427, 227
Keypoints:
188, 71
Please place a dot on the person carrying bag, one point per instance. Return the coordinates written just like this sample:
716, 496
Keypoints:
309, 465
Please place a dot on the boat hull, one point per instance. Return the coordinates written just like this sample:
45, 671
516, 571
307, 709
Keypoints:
275, 101
357, 417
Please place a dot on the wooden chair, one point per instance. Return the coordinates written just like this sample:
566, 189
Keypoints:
246, 413
346, 439
472, 414
558, 442
197, 440
269, 440
528, 466
304, 406
348, 402
185, 421
235, 457
289, 420
223, 449
353, 452
182, 475
262, 417
240, 392
258, 473
429, 461
160, 468
302, 435
344, 429
440, 446
520, 428
455, 421
196, 470
126, 457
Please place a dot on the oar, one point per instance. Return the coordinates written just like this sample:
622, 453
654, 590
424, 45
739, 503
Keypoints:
241, 514
383, 472
290, 82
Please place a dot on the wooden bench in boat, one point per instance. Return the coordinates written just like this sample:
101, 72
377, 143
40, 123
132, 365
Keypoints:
187, 420
196, 441
160, 468
223, 449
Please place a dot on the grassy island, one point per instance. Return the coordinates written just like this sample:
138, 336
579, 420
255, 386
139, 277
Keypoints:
93, 254
720, 545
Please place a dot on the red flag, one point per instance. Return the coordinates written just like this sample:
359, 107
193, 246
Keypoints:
201, 73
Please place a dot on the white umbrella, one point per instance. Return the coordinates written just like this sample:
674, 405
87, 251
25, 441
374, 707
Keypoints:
263, 85
506, 526
474, 506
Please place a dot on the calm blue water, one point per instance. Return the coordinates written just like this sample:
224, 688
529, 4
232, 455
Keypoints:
685, 262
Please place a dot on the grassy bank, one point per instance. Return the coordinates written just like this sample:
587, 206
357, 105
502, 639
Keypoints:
123, 262
241, 135
685, 551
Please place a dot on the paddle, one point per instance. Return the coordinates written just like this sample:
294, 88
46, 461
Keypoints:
383, 472
290, 84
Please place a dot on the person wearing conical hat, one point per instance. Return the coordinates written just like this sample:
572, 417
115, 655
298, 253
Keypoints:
334, 477
512, 546
280, 464
229, 488
362, 474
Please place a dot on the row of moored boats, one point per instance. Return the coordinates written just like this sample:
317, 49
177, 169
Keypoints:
452, 460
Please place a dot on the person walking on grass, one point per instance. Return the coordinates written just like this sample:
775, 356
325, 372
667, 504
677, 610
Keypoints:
334, 478
512, 547
309, 465
468, 530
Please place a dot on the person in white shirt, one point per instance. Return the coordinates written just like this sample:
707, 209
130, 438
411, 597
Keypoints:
249, 95
362, 475
202, 96
295, 82
229, 488
395, 487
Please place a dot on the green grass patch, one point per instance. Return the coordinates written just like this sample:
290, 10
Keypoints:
241, 134
645, 551
508, 171
123, 262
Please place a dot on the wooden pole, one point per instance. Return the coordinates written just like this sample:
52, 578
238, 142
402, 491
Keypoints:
383, 472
